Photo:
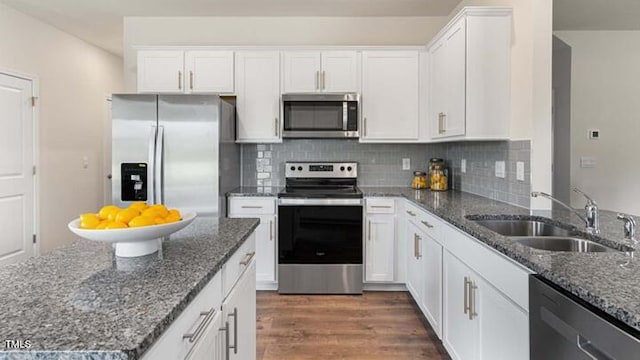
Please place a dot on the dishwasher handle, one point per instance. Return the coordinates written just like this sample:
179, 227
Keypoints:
589, 349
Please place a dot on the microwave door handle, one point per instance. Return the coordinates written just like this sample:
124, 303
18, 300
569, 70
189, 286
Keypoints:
345, 115
159, 167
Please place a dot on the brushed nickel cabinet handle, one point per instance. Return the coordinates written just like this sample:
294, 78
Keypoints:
191, 80
381, 206
369, 231
415, 245
466, 295
247, 258
226, 341
179, 80
234, 314
425, 223
277, 127
270, 230
324, 85
317, 80
195, 335
251, 207
472, 300
411, 213
364, 125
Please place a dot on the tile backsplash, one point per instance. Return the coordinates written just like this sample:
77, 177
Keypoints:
381, 164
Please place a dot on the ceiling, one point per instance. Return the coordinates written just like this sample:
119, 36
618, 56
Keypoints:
596, 14
100, 22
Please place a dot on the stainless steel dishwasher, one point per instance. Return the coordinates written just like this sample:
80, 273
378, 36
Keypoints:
564, 327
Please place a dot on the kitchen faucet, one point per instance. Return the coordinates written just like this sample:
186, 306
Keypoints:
629, 227
591, 210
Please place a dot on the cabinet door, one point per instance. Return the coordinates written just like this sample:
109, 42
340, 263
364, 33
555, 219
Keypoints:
301, 71
239, 309
438, 98
161, 71
414, 270
209, 71
266, 239
503, 326
456, 69
258, 101
379, 247
432, 292
459, 337
339, 71
390, 99
211, 344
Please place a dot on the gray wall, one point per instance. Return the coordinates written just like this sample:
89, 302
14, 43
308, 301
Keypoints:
381, 164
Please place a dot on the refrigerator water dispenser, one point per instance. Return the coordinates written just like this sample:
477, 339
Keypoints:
134, 181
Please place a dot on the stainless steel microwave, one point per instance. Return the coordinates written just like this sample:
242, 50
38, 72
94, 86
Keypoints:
321, 115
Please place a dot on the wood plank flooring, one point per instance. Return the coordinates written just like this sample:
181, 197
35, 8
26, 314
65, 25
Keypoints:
374, 326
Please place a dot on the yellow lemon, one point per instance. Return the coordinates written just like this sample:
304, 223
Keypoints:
89, 223
175, 213
152, 213
116, 225
160, 209
141, 220
103, 225
159, 221
106, 210
126, 215
139, 205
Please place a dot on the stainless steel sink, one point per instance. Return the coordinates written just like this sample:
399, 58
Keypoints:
516, 227
554, 243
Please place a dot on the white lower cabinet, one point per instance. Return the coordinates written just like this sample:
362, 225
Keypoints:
480, 322
415, 275
212, 344
266, 234
379, 247
432, 282
239, 309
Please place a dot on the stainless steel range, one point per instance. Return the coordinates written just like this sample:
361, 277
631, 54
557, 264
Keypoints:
320, 229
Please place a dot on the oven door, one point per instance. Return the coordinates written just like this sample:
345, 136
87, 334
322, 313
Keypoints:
320, 231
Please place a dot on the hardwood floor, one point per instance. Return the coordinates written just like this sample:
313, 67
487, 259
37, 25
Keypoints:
374, 326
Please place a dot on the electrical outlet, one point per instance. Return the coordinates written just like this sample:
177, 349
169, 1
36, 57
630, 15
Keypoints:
520, 170
406, 164
500, 169
85, 162
587, 162
463, 166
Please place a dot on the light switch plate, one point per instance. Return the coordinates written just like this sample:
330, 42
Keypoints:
520, 170
587, 162
463, 165
406, 164
500, 169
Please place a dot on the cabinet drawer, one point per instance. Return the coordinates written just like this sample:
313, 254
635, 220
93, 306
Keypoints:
428, 223
192, 321
251, 206
237, 263
380, 206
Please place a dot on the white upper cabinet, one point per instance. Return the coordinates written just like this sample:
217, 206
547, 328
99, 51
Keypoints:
258, 96
161, 71
315, 71
178, 71
469, 76
209, 71
390, 96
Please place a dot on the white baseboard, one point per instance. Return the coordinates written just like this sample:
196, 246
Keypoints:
384, 287
266, 286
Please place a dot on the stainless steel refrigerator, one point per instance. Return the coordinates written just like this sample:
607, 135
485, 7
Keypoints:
177, 150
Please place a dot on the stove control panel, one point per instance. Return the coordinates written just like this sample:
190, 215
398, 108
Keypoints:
321, 170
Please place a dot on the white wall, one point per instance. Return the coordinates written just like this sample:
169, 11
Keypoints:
530, 84
605, 95
272, 31
74, 79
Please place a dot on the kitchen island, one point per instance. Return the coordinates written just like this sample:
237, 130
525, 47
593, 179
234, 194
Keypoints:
81, 302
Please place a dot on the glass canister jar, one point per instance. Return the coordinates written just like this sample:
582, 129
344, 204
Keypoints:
438, 175
419, 180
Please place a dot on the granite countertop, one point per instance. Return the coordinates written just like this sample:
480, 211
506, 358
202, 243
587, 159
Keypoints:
81, 302
255, 191
596, 278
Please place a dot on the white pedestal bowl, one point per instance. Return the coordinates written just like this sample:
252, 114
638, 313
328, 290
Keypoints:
133, 242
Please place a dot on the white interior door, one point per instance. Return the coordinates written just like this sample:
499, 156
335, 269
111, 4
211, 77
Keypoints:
16, 169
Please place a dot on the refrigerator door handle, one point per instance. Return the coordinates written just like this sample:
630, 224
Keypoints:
150, 166
159, 167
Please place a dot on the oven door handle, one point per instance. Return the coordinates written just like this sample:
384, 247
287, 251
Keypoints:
320, 202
